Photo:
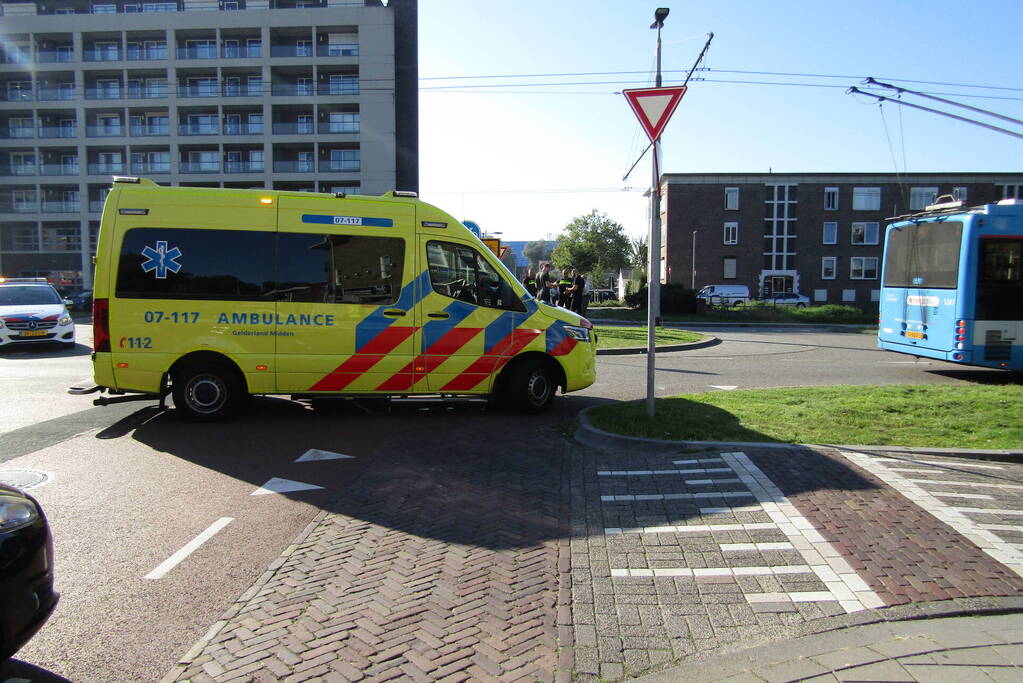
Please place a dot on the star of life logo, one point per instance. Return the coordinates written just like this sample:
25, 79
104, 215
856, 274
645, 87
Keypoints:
161, 260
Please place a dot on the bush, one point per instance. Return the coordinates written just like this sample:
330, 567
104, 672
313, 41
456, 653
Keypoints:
674, 299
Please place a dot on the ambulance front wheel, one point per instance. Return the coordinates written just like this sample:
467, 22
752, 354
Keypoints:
206, 393
531, 387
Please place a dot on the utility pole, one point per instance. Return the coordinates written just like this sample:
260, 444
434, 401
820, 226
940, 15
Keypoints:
653, 313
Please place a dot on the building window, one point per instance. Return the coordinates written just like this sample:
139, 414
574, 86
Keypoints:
828, 266
820, 296
866, 199
863, 268
731, 233
848, 295
831, 199
830, 235
729, 271
921, 197
960, 194
731, 199
1010, 191
865, 233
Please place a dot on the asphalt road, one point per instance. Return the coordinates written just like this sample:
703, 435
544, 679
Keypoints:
129, 487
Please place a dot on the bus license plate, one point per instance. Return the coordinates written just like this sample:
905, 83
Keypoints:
915, 335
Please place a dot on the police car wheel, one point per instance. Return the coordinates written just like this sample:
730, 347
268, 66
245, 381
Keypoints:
206, 393
531, 388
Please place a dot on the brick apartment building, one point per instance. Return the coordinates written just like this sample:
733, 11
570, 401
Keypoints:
306, 95
819, 234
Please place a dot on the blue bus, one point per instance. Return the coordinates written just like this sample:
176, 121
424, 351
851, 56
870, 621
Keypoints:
952, 285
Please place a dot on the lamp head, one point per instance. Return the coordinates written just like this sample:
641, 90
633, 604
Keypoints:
659, 16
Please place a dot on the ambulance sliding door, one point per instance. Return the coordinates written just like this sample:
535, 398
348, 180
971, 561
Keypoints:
346, 294
471, 318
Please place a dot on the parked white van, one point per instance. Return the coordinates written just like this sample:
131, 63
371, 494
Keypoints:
724, 295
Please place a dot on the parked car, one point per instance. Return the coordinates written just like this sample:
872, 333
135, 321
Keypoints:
601, 295
31, 310
723, 295
788, 299
26, 569
82, 301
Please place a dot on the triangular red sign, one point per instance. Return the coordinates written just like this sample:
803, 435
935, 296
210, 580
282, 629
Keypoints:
654, 106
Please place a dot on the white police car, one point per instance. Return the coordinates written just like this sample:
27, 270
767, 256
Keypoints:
31, 310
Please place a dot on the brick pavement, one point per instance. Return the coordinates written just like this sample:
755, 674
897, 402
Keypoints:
430, 567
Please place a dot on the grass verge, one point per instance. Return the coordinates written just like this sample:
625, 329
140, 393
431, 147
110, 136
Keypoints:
752, 313
620, 337
896, 415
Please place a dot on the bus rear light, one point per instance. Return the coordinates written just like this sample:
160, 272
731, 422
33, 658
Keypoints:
957, 356
960, 337
960, 346
101, 325
960, 323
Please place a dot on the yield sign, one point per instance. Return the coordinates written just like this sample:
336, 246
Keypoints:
654, 106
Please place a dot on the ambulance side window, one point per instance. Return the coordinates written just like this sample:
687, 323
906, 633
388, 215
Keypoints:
339, 269
462, 273
183, 263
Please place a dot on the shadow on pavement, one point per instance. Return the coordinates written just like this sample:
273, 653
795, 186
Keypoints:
16, 670
459, 473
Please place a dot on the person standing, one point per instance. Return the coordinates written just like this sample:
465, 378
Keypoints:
529, 282
543, 283
564, 296
578, 291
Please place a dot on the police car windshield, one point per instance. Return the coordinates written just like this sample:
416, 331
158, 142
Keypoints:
27, 295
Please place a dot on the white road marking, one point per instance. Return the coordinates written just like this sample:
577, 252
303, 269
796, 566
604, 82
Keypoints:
978, 484
737, 547
948, 463
690, 528
316, 454
645, 473
725, 387
951, 515
693, 462
278, 485
725, 511
674, 496
953, 494
1002, 527
189, 548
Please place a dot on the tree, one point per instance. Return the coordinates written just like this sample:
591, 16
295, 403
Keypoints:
509, 260
640, 253
537, 251
594, 244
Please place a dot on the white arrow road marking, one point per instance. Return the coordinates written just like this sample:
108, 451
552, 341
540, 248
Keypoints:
189, 548
723, 387
278, 485
317, 454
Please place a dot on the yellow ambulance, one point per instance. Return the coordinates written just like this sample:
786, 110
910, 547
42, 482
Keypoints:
212, 295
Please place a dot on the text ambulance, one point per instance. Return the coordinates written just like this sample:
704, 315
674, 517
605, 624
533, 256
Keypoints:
215, 294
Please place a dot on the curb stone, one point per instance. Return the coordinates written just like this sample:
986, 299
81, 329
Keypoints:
627, 350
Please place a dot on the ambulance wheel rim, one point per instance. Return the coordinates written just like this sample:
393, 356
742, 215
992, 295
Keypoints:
538, 388
205, 393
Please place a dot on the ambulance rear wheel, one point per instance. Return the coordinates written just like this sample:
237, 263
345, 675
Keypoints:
531, 387
206, 393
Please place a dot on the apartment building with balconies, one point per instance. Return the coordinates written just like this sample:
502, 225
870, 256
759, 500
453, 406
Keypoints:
306, 95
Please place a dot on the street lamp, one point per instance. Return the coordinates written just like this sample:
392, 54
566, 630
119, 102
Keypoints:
694, 259
653, 317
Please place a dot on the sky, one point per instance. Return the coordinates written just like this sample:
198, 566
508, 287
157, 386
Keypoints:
523, 126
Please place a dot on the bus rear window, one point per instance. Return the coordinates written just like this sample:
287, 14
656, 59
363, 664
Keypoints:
923, 255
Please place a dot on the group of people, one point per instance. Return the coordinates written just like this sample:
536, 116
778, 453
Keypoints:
569, 291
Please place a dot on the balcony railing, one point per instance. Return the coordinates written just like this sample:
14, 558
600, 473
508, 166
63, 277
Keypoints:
96, 205
199, 166
292, 89
208, 90
20, 206
58, 169
150, 167
340, 50
149, 130
238, 90
52, 94
243, 129
19, 132
62, 207
18, 169
105, 168
346, 87
151, 92
338, 127
294, 128
50, 132
339, 166
104, 131
294, 167
20, 94
242, 51
146, 54
101, 55
243, 167
199, 129
291, 50
104, 93
209, 52
55, 56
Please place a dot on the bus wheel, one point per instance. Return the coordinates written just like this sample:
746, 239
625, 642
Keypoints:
206, 393
531, 387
